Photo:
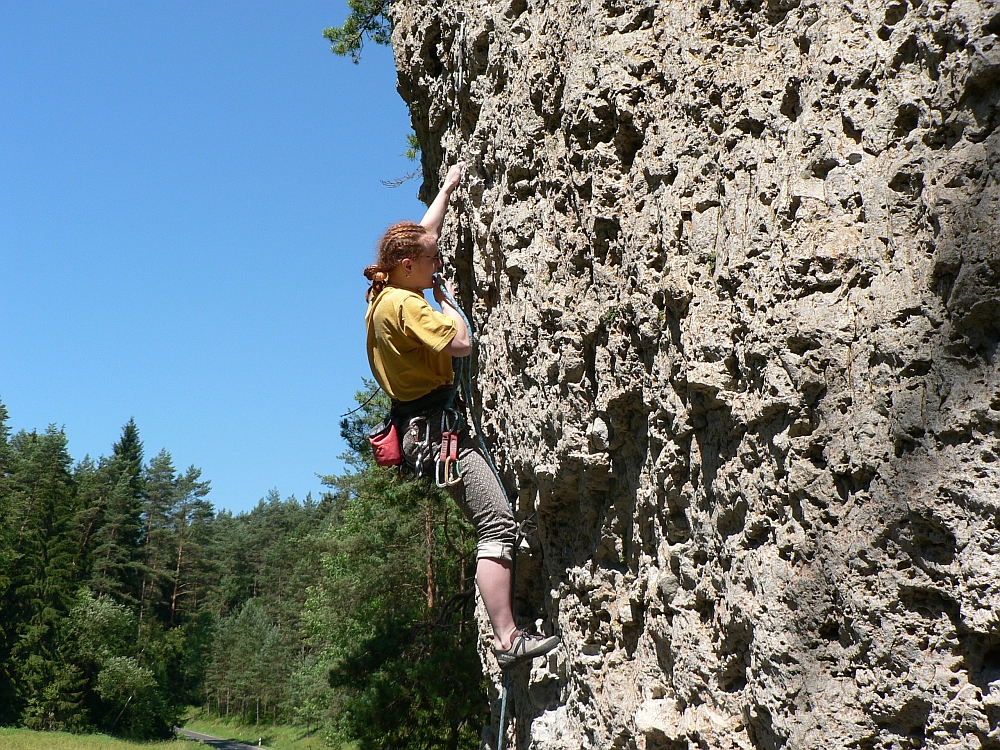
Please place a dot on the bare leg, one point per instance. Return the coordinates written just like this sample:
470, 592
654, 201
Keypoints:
494, 579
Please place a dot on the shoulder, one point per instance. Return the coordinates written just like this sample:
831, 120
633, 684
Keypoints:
413, 301
394, 298
398, 295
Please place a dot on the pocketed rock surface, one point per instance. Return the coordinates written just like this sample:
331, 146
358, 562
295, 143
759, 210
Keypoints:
734, 272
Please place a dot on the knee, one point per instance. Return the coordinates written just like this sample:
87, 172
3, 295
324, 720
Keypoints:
495, 550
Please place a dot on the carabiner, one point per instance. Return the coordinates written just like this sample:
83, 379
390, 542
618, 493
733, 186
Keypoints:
415, 423
422, 446
451, 421
447, 471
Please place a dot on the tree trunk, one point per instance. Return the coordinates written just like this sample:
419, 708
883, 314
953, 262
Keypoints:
180, 558
86, 535
461, 578
147, 555
428, 556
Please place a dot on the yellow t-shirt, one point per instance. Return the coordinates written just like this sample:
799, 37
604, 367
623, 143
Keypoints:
405, 339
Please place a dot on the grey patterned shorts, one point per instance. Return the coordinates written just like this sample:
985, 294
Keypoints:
479, 495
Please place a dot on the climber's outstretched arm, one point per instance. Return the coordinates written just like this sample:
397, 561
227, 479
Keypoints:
434, 217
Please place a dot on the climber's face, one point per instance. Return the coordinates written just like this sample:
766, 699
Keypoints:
426, 263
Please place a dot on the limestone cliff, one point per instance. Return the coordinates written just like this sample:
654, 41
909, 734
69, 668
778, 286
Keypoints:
734, 269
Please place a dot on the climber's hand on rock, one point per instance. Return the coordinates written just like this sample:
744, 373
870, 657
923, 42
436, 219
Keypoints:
434, 217
453, 177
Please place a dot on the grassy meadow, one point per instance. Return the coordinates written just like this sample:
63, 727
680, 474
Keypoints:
26, 739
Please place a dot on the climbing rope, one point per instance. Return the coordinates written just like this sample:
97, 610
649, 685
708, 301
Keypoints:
508, 681
463, 375
460, 61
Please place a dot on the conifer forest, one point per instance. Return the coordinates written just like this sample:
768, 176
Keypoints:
126, 597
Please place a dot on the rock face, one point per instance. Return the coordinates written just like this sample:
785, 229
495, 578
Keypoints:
734, 270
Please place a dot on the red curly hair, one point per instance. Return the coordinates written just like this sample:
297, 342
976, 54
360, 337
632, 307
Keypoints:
403, 239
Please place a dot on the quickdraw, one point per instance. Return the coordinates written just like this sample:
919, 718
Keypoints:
447, 472
422, 446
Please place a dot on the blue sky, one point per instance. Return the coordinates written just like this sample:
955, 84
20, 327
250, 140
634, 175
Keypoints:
188, 194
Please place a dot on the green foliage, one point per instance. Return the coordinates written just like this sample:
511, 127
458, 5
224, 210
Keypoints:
82, 642
98, 629
412, 147
56, 696
40, 504
368, 18
250, 662
394, 607
124, 597
123, 679
412, 685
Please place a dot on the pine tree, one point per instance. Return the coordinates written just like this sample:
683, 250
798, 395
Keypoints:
187, 518
158, 499
116, 567
42, 505
392, 616
8, 558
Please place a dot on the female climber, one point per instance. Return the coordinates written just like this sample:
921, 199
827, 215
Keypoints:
410, 346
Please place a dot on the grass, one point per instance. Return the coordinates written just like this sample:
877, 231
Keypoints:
26, 739
276, 738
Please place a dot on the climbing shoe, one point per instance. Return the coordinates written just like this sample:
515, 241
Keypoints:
524, 646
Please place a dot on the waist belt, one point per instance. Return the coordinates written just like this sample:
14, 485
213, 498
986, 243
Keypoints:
436, 400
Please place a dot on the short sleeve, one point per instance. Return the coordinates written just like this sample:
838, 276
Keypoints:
424, 324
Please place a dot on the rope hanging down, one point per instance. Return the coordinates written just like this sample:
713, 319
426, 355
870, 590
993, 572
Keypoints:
463, 375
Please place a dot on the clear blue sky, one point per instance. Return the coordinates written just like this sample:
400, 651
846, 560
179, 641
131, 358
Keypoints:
188, 194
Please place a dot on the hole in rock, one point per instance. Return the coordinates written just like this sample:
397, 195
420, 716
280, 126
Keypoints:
894, 13
907, 119
791, 107
907, 183
821, 167
849, 130
628, 141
